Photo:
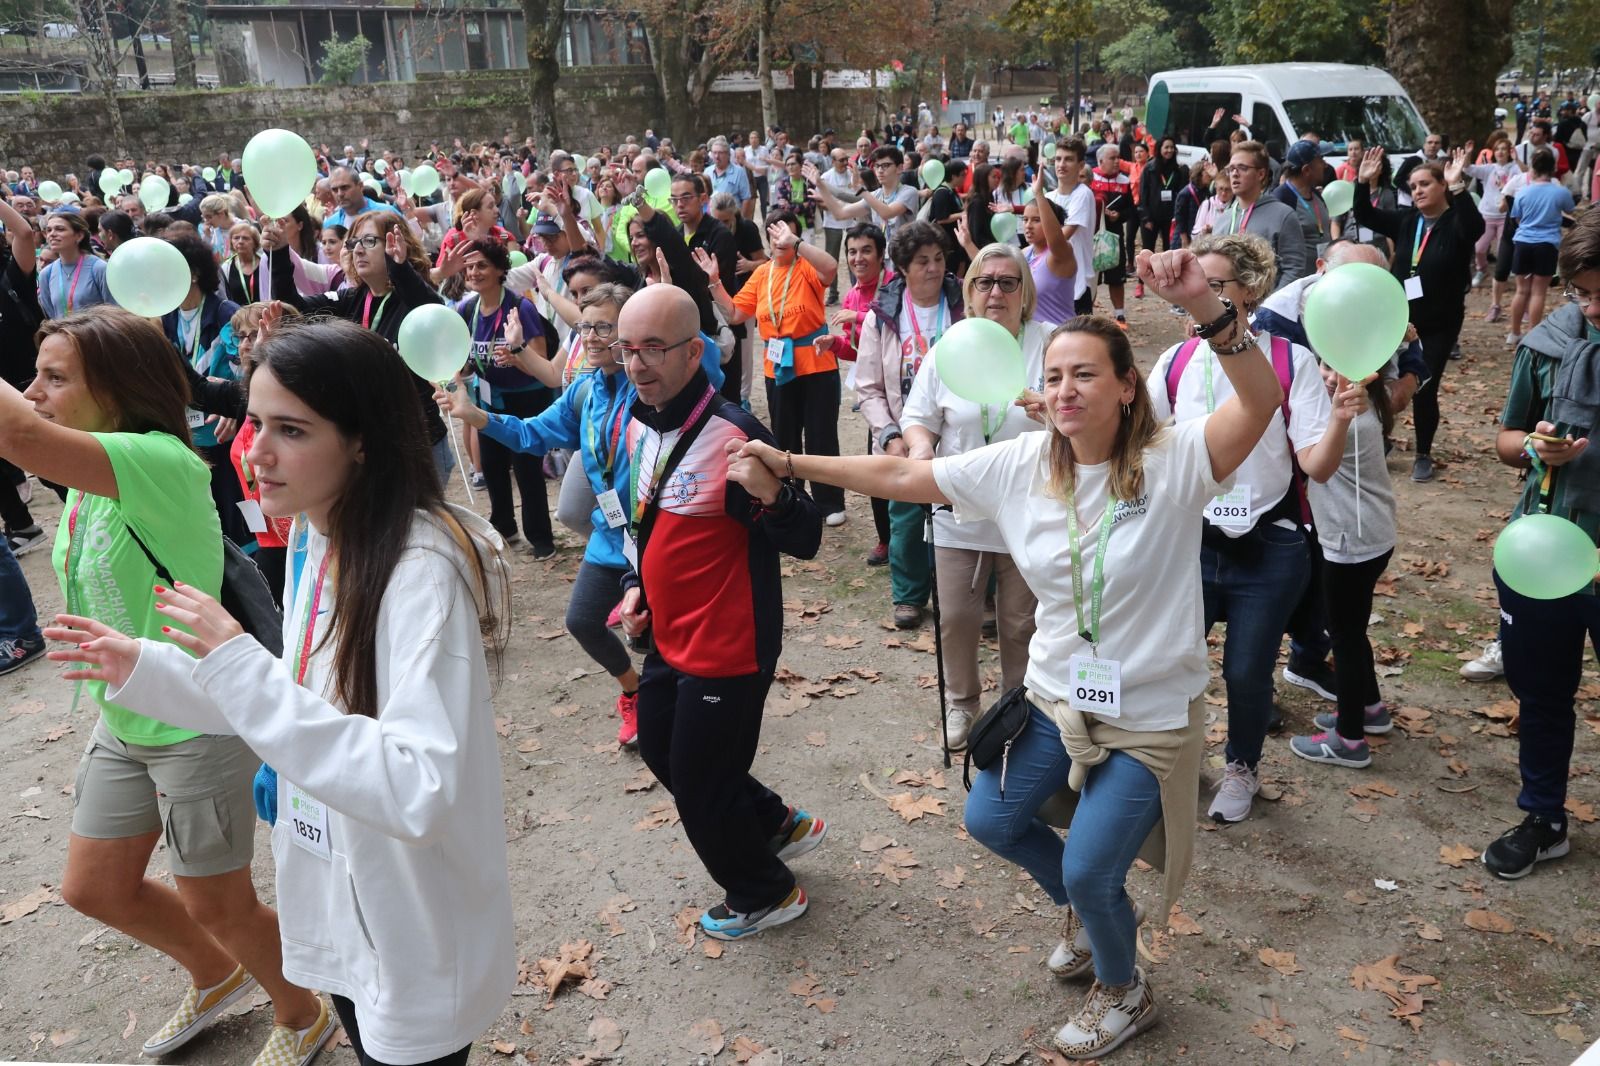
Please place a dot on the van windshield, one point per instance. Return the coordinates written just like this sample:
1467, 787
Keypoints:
1389, 121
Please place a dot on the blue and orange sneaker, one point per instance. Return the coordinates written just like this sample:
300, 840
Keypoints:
800, 834
723, 923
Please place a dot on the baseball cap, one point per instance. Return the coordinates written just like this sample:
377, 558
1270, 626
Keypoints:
547, 226
1301, 154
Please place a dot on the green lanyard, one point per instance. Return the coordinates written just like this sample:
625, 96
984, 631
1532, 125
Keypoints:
988, 430
1211, 396
777, 316
1092, 632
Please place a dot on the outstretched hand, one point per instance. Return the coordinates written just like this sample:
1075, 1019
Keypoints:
99, 652
1175, 276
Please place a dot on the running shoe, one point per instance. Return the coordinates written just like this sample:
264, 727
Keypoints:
723, 923
1330, 748
1316, 676
1487, 666
628, 711
1110, 1017
1519, 849
879, 555
1074, 956
1377, 723
23, 541
15, 654
800, 835
1234, 796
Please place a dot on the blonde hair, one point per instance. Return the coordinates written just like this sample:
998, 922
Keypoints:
1136, 432
246, 227
1251, 257
216, 204
1030, 295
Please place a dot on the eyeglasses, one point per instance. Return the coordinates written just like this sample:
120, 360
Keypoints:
1580, 297
684, 198
368, 242
649, 354
1007, 285
1238, 168
599, 329
1218, 284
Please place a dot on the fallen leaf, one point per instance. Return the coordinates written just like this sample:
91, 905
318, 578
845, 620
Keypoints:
688, 923
63, 1037
1282, 961
952, 879
744, 1049
711, 948
705, 1037
133, 1023
1359, 1039
1567, 1031
570, 966
875, 842
1181, 924
1583, 812
25, 906
805, 985
912, 807
503, 1047
611, 914
1401, 989
563, 710
817, 740
841, 642
531, 744
643, 781
594, 988
337, 1038
1274, 1029
1455, 854
663, 813
1429, 931
824, 1006
1485, 921
606, 1034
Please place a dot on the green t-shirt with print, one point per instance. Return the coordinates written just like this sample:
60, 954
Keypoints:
1019, 135
164, 493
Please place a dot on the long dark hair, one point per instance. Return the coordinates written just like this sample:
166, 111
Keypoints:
978, 199
310, 231
356, 380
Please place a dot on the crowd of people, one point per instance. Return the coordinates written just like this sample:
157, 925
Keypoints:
265, 436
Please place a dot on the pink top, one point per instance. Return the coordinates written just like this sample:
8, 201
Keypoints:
858, 299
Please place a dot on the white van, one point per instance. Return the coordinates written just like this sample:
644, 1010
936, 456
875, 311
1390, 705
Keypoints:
1281, 102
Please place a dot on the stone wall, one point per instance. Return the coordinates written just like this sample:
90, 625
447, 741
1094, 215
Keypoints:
598, 105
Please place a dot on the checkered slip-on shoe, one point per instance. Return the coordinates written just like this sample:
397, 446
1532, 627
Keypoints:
297, 1047
200, 1007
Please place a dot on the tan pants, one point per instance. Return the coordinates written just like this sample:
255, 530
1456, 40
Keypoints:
963, 580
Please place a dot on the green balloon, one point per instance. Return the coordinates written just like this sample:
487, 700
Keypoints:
49, 192
434, 342
379, 166
280, 169
1545, 557
1356, 317
424, 180
933, 173
154, 192
209, 173
110, 182
126, 175
1004, 227
518, 259
581, 163
981, 361
658, 184
148, 276
184, 198
1340, 196
1048, 150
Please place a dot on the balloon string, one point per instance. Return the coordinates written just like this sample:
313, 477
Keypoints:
1356, 426
455, 449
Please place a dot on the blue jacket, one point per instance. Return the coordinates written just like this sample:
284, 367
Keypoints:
212, 359
585, 418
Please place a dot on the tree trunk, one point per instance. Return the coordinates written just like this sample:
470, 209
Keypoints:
138, 59
545, 21
182, 53
96, 28
1445, 53
769, 96
668, 57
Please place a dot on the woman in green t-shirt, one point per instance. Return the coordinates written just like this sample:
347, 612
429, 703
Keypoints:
106, 417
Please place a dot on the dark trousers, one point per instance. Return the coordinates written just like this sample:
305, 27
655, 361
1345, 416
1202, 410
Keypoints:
1154, 231
595, 592
226, 492
18, 619
1436, 345
1542, 642
347, 1017
13, 512
1252, 583
1308, 625
732, 370
1347, 591
500, 462
880, 508
698, 735
805, 418
833, 243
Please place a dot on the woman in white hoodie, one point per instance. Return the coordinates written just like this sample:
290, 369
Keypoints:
390, 849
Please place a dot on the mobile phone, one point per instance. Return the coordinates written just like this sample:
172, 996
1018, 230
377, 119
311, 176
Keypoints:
1548, 439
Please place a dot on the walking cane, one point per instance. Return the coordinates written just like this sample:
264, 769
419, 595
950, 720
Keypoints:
938, 632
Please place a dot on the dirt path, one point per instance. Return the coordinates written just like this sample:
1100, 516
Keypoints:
920, 947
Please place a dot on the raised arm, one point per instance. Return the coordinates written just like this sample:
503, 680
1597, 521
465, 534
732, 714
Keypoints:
719, 295
1235, 428
1063, 262
1377, 219
835, 206
20, 235
886, 477
68, 457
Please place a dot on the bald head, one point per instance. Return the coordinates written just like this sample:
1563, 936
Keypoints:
663, 322
1353, 252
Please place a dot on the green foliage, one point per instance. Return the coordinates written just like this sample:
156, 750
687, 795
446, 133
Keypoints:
1051, 22
343, 59
1141, 52
1278, 31
1564, 46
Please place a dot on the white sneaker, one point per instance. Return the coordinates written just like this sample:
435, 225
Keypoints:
956, 725
1109, 1018
1512, 340
837, 518
1487, 666
1074, 956
1239, 787
1477, 279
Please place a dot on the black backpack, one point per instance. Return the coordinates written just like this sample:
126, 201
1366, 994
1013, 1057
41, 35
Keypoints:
245, 593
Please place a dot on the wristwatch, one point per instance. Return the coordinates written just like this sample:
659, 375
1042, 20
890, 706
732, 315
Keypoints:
518, 349
890, 433
1230, 314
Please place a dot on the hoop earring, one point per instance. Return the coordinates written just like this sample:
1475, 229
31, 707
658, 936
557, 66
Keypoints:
1126, 410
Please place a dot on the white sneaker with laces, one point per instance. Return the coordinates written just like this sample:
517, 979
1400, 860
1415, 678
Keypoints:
956, 725
1074, 956
1239, 787
1487, 666
1110, 1017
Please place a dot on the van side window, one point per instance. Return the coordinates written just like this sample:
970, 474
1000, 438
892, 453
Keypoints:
1265, 127
1189, 116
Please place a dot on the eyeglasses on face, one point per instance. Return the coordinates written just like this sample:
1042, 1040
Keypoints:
1581, 298
1239, 168
1218, 284
599, 329
647, 354
1007, 285
368, 242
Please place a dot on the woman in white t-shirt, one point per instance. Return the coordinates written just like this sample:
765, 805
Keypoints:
969, 554
1128, 744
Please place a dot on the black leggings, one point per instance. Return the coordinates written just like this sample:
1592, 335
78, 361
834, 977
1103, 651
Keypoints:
1347, 589
1436, 345
500, 463
347, 1017
880, 508
805, 418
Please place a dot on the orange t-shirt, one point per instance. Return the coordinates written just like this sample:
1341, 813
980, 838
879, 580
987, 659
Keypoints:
788, 302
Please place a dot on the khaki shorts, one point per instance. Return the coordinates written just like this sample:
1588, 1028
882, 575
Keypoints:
196, 792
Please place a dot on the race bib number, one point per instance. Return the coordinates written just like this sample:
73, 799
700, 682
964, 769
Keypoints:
254, 520
196, 419
611, 507
1413, 288
1166, 196
1364, 235
775, 352
1231, 509
308, 821
1096, 686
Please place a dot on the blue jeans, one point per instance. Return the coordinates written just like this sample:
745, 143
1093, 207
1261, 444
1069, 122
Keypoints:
444, 460
1120, 804
18, 620
1542, 642
1253, 583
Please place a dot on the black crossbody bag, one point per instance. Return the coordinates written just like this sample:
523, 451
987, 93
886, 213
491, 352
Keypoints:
245, 593
991, 736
